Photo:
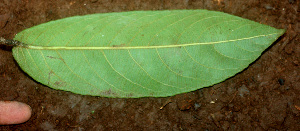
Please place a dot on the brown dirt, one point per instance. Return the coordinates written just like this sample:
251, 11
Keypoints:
252, 100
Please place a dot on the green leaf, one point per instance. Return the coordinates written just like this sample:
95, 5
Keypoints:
141, 53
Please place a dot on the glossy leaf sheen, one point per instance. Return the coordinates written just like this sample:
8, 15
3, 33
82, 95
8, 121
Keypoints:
141, 53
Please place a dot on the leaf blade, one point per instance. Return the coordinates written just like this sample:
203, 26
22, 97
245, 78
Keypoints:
141, 53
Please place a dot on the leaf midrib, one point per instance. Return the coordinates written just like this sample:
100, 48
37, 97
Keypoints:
135, 47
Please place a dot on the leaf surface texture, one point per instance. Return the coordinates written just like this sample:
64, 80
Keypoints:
141, 53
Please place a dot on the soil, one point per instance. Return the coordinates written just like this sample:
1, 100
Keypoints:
265, 96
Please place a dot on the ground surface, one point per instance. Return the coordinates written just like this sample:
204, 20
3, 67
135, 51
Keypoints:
253, 99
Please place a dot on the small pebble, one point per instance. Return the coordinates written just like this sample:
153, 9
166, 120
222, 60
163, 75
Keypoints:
196, 106
269, 7
281, 81
243, 90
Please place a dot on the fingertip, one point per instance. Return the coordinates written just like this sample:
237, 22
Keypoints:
13, 112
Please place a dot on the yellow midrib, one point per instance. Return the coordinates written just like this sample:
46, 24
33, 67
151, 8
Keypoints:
134, 47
